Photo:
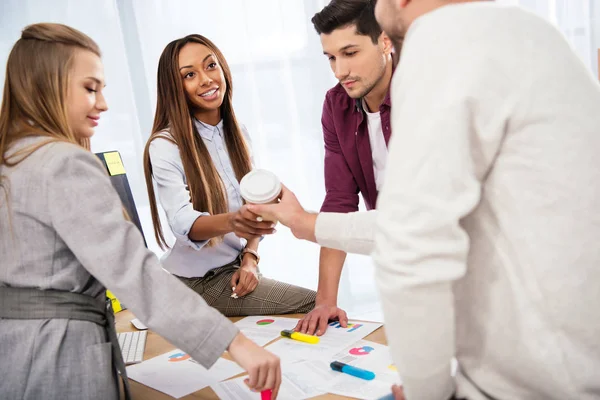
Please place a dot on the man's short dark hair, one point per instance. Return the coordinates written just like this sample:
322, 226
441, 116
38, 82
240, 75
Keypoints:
341, 13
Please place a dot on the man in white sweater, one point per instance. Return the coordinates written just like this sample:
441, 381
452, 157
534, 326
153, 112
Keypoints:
489, 217
487, 240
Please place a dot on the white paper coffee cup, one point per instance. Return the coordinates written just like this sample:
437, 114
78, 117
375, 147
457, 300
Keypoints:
260, 186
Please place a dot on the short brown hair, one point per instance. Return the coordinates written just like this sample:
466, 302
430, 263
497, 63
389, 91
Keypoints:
341, 13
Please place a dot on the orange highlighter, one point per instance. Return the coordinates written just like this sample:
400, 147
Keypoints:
301, 337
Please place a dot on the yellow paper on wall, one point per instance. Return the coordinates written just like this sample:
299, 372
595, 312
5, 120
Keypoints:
116, 304
114, 163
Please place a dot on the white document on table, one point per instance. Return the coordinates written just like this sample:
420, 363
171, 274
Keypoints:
262, 330
336, 336
313, 377
360, 389
292, 387
372, 357
177, 375
363, 354
316, 373
334, 340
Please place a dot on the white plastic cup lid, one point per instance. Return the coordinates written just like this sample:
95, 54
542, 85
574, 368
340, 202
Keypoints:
260, 186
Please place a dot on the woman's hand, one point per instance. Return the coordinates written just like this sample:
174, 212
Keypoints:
245, 279
263, 367
244, 224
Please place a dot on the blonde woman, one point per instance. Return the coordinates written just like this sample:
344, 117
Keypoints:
196, 156
63, 238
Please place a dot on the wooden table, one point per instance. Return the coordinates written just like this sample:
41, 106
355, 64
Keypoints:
156, 345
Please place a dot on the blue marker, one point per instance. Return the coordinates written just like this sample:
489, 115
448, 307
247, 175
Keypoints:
350, 370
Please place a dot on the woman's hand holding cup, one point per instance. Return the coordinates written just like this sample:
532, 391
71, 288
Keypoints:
245, 224
258, 186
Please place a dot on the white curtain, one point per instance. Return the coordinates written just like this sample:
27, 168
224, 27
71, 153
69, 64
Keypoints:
279, 76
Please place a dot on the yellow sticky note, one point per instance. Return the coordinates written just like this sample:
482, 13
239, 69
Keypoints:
114, 163
116, 304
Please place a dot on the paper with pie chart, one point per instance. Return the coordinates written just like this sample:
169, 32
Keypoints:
333, 341
373, 357
294, 386
262, 330
368, 355
308, 378
363, 354
337, 336
177, 374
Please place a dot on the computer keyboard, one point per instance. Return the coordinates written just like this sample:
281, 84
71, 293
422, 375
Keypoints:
132, 346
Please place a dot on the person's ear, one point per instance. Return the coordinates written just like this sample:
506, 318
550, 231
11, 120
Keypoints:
386, 43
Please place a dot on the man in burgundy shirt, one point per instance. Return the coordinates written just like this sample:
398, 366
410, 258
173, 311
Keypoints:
356, 130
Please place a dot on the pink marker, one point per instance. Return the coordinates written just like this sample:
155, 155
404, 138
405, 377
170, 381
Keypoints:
266, 394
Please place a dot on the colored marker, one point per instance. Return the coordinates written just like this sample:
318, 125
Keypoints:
266, 394
302, 337
354, 371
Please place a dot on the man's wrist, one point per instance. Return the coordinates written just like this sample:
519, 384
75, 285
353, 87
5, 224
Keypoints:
303, 225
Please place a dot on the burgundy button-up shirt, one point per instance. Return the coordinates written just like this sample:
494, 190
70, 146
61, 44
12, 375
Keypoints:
348, 155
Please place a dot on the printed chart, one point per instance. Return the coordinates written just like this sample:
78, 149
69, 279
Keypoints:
179, 357
335, 340
177, 374
262, 330
361, 351
350, 328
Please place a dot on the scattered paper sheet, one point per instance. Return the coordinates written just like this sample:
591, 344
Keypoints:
262, 330
336, 336
292, 387
333, 341
305, 367
359, 388
177, 375
367, 355
363, 354
372, 357
317, 373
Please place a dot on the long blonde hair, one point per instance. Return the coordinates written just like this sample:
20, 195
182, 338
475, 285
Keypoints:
35, 92
173, 114
35, 88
